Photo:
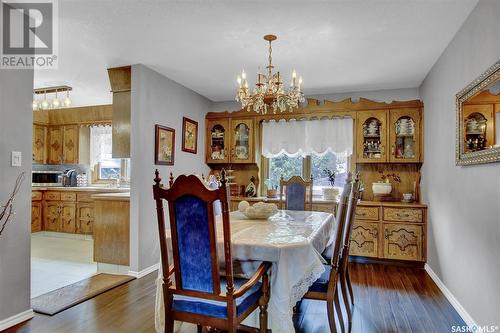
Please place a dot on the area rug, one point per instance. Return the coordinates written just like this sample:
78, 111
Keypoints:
63, 298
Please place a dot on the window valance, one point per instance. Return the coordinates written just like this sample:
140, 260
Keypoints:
303, 137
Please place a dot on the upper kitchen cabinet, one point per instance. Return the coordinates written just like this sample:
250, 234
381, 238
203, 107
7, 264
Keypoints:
120, 79
405, 135
371, 136
242, 141
217, 142
63, 144
39, 144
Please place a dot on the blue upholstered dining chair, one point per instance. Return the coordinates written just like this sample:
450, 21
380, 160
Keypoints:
325, 288
194, 290
297, 193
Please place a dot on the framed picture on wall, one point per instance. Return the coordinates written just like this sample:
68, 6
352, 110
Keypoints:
164, 145
189, 135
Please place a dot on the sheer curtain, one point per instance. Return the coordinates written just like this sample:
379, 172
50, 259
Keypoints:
100, 144
304, 137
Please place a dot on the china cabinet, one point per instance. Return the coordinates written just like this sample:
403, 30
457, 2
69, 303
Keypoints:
371, 136
217, 146
404, 135
242, 145
390, 230
479, 126
230, 141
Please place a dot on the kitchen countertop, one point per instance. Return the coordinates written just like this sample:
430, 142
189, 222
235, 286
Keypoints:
112, 196
82, 189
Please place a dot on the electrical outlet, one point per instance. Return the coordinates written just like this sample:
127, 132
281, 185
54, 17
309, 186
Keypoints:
16, 159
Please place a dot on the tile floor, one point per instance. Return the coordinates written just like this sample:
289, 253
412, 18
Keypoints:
59, 260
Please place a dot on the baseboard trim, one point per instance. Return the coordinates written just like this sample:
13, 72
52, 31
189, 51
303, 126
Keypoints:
16, 319
144, 272
450, 297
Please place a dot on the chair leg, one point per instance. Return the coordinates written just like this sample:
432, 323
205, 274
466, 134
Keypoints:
263, 318
199, 329
169, 326
339, 310
349, 285
331, 317
347, 304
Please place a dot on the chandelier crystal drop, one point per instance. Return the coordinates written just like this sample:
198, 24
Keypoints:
269, 92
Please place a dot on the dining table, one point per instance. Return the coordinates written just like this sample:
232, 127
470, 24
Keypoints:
292, 241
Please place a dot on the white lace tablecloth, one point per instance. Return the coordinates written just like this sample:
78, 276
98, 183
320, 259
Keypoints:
293, 241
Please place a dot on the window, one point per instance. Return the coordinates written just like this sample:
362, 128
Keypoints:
286, 166
310, 165
336, 163
105, 167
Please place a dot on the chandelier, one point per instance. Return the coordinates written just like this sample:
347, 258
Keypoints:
47, 103
269, 92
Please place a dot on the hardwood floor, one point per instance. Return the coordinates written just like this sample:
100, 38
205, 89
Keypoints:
388, 299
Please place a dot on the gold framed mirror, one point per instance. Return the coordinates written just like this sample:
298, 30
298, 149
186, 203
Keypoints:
478, 119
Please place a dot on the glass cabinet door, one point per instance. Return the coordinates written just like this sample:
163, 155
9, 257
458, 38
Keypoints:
371, 137
217, 141
405, 135
242, 141
479, 127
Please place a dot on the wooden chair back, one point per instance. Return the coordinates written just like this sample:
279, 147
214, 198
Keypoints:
297, 193
351, 210
193, 234
342, 211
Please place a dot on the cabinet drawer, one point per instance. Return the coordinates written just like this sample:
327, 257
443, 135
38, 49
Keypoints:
403, 214
36, 196
84, 197
364, 239
367, 213
50, 195
68, 196
403, 241
327, 208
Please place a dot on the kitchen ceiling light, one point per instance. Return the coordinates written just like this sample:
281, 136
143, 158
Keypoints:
54, 103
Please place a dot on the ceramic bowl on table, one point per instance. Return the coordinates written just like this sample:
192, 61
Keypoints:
381, 188
259, 211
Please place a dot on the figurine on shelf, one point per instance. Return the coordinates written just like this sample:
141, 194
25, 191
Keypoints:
251, 190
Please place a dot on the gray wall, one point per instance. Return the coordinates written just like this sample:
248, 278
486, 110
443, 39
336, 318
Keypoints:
158, 100
377, 95
16, 120
464, 202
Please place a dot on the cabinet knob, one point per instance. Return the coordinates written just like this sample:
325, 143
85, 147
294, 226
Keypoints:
386, 234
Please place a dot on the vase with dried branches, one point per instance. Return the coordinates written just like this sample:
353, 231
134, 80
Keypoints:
7, 210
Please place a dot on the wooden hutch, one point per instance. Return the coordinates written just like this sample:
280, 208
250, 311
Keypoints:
388, 141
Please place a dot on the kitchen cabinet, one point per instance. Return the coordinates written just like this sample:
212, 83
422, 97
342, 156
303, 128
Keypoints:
68, 217
36, 216
63, 144
39, 144
85, 218
52, 216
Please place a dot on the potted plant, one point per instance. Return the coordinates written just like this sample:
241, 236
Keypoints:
330, 193
272, 192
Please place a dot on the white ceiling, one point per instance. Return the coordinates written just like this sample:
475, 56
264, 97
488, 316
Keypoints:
337, 46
